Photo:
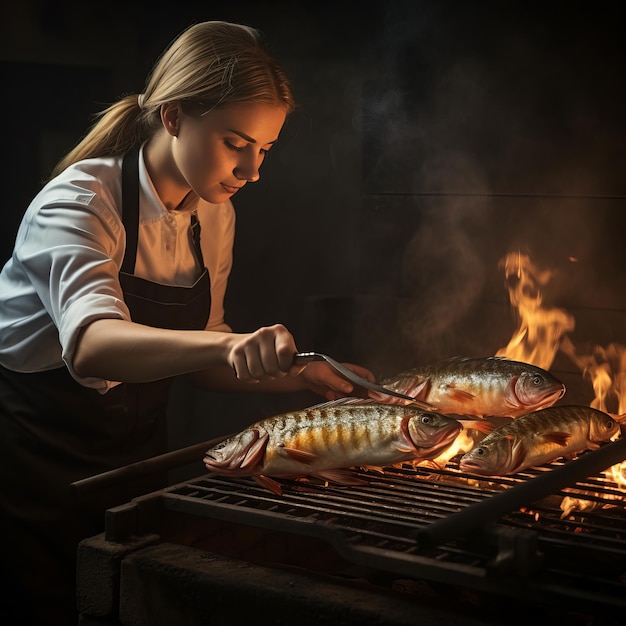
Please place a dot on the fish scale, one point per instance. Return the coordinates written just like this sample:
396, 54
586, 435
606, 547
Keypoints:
333, 436
487, 386
312, 431
539, 437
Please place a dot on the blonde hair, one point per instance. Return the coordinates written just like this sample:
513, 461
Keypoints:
210, 65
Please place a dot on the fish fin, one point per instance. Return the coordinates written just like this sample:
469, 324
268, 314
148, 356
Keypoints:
482, 426
422, 390
342, 477
560, 438
348, 400
298, 455
255, 453
518, 454
269, 484
460, 395
373, 468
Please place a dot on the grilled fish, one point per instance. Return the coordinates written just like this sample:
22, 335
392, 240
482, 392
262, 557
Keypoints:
322, 440
480, 387
539, 437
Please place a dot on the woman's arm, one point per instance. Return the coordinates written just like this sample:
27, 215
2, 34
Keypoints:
120, 350
315, 376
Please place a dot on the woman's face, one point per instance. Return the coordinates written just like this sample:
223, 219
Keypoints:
221, 151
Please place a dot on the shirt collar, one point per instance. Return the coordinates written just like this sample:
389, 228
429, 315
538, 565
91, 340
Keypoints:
151, 207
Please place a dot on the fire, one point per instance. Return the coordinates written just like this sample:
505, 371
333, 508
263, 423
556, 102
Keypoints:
540, 328
617, 473
605, 368
542, 333
464, 442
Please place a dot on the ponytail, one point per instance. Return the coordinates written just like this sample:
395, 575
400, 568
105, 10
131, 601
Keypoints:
210, 65
118, 129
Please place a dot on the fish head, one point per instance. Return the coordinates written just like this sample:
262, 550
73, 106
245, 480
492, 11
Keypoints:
535, 388
490, 458
432, 432
238, 455
602, 427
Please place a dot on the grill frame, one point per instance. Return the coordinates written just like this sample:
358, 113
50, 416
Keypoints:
579, 560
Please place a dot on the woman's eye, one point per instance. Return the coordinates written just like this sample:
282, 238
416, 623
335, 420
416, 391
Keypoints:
232, 147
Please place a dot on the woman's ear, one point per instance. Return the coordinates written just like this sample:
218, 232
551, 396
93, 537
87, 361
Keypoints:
170, 117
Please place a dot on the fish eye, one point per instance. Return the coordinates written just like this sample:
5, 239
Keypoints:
480, 451
537, 380
610, 424
426, 419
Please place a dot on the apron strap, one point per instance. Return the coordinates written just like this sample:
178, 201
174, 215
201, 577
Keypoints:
130, 208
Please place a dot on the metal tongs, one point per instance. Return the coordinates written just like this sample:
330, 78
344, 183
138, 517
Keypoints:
307, 357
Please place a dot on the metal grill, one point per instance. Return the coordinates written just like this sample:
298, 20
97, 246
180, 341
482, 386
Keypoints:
536, 553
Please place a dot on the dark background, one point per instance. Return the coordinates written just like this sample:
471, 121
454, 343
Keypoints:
433, 137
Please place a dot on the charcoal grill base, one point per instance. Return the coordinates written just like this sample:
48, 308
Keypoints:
147, 581
210, 549
166, 583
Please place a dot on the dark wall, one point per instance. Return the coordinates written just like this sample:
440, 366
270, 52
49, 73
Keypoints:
496, 128
396, 97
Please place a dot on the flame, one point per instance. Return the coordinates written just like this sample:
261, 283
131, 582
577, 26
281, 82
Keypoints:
540, 328
617, 473
542, 333
605, 368
464, 442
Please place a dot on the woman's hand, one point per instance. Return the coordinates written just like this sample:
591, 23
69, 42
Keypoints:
321, 378
267, 353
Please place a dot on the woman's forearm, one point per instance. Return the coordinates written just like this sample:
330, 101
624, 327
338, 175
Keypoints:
120, 350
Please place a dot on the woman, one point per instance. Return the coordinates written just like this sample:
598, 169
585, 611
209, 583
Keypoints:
116, 285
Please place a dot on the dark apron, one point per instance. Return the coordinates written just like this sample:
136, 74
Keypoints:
54, 431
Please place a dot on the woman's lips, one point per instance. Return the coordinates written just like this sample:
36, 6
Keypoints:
230, 189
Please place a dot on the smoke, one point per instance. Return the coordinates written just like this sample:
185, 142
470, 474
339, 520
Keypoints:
501, 127
443, 274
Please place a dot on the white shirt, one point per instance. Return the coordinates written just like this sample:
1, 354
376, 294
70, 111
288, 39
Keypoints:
69, 248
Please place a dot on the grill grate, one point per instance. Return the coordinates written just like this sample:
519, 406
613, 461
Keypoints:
537, 553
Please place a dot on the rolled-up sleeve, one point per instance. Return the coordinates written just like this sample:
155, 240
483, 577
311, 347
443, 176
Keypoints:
64, 272
71, 254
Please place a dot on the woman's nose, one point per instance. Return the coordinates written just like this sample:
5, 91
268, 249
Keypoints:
248, 171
